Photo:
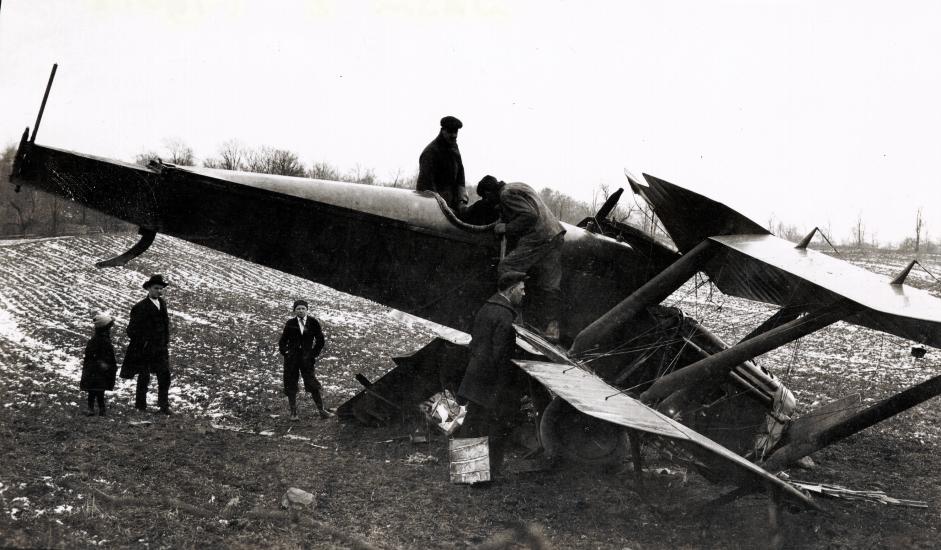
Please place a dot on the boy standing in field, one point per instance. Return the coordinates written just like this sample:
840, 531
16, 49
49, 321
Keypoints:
99, 367
301, 342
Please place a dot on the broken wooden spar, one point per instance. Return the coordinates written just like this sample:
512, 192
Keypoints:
886, 408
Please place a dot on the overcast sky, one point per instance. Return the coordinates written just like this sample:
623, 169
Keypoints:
812, 112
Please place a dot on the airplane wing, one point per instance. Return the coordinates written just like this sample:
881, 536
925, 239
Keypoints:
754, 264
593, 396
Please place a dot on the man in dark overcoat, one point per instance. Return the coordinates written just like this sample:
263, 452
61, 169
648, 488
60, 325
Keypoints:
535, 238
440, 168
148, 349
301, 342
491, 385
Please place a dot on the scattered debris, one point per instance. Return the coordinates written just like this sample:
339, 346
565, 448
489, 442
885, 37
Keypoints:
295, 497
141, 422
836, 491
443, 410
421, 458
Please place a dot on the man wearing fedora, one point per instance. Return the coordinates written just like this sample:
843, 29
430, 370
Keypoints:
300, 343
147, 351
440, 168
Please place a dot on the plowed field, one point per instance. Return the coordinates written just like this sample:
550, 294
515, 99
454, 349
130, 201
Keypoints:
213, 474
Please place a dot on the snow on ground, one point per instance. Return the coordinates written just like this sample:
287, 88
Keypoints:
228, 313
50, 287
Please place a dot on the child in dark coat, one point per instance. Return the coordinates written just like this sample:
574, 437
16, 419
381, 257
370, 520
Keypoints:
99, 368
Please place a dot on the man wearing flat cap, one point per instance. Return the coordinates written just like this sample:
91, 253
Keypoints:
301, 342
534, 239
491, 384
148, 350
440, 168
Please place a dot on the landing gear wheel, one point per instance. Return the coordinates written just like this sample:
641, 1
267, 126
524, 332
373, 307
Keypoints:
567, 433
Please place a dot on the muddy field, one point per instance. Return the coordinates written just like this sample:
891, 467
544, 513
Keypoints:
213, 474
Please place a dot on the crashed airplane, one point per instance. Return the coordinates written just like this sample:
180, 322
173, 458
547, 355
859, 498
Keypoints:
627, 368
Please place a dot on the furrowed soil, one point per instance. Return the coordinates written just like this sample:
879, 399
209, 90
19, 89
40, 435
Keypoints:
214, 473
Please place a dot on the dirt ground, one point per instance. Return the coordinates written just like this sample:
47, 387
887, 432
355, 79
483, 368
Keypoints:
213, 474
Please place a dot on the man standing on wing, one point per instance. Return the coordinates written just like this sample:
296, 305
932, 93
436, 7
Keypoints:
534, 237
148, 350
440, 168
301, 342
490, 383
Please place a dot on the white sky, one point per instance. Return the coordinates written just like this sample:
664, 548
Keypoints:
812, 112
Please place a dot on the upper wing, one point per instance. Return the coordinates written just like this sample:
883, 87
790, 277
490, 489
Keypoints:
754, 264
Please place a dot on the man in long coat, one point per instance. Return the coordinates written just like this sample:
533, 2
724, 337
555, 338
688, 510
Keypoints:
300, 343
490, 385
535, 238
148, 350
440, 168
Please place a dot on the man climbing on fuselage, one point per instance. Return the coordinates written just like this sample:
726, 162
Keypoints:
440, 168
534, 237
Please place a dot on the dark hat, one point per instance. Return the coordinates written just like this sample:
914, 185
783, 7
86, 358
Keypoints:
451, 123
299, 303
510, 278
156, 279
488, 184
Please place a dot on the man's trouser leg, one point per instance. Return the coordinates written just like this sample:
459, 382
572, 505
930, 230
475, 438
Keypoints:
312, 385
547, 286
544, 262
143, 381
291, 374
480, 421
475, 421
163, 388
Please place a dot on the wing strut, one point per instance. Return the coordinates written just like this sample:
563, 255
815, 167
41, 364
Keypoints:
721, 363
146, 239
653, 291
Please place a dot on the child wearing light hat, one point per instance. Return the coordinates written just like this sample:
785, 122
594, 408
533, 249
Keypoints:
99, 368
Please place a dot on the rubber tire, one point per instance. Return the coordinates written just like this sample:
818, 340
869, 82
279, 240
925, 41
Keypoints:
577, 437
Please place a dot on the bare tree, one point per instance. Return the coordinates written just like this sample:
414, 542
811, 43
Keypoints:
788, 232
26, 205
360, 174
231, 156
398, 180
268, 160
919, 227
323, 171
179, 152
55, 211
859, 232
